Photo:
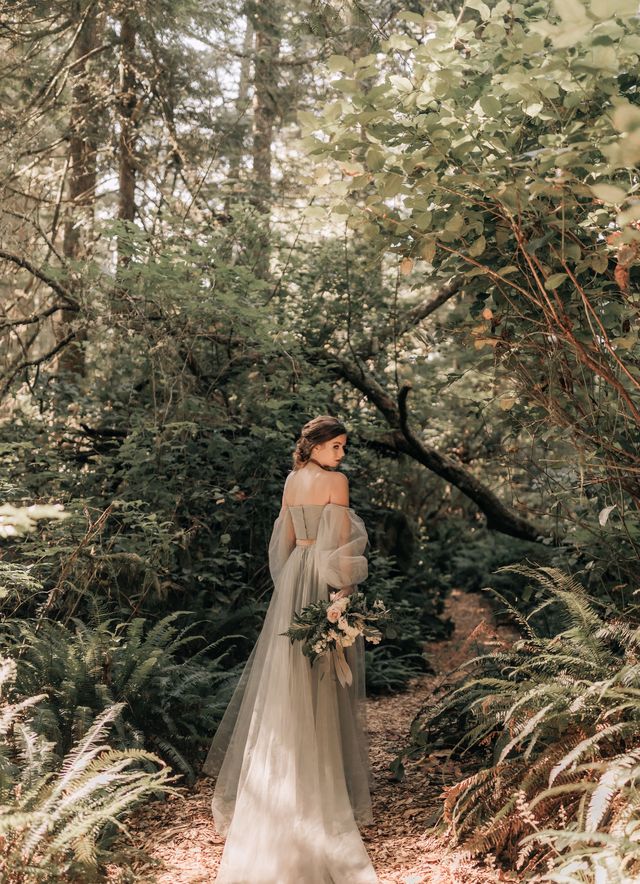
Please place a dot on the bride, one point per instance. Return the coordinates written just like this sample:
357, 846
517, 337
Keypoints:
290, 754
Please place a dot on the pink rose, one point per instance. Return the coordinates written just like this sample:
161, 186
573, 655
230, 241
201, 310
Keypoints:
333, 613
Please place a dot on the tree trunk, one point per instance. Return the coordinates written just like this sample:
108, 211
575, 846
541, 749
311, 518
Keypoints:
81, 180
127, 106
266, 24
242, 105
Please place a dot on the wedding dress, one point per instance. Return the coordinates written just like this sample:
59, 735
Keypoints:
290, 754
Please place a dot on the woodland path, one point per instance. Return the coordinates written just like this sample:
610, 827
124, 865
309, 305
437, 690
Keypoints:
182, 846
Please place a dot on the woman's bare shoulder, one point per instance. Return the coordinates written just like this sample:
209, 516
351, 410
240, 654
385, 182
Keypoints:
339, 489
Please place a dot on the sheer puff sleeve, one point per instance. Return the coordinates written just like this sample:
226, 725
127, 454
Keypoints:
339, 548
282, 542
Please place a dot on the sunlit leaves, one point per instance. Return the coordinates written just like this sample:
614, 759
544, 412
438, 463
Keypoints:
609, 193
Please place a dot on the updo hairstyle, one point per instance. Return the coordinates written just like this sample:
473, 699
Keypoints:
320, 429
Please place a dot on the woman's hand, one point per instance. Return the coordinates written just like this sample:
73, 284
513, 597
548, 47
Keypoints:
341, 593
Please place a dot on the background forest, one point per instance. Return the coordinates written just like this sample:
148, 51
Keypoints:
218, 220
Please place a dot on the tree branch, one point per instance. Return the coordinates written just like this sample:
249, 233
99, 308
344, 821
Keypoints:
39, 274
413, 317
499, 516
28, 363
36, 317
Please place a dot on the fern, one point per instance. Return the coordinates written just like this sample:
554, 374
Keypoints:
54, 813
87, 669
559, 720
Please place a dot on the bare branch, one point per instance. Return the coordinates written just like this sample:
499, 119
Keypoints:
36, 317
40, 360
39, 274
499, 516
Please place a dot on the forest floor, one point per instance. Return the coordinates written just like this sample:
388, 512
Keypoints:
176, 842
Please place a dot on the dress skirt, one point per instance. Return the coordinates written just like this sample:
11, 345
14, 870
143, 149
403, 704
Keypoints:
290, 755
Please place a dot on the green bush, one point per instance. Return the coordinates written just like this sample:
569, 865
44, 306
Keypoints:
560, 717
171, 699
57, 815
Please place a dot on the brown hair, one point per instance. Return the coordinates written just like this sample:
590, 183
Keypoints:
320, 429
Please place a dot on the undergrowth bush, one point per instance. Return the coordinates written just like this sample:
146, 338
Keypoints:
391, 664
171, 700
58, 815
556, 720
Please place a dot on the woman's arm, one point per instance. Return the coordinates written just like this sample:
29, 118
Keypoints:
340, 495
284, 494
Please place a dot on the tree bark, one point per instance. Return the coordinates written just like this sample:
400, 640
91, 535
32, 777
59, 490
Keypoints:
242, 105
81, 180
127, 106
266, 24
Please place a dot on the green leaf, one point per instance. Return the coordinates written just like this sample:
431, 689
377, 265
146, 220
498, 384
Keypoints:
610, 8
391, 184
454, 224
422, 220
480, 7
375, 159
553, 281
609, 193
309, 120
490, 105
478, 247
533, 109
570, 10
402, 84
339, 63
598, 262
401, 42
626, 342
626, 117
629, 215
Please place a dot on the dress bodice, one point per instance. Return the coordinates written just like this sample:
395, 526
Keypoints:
306, 518
335, 535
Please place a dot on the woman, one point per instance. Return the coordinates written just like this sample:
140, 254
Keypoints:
290, 754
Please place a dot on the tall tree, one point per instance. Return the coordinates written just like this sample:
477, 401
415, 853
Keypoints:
82, 168
266, 21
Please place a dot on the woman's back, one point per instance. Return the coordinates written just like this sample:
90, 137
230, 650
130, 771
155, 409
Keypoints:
314, 486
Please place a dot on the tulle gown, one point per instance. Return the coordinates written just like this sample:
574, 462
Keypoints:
290, 754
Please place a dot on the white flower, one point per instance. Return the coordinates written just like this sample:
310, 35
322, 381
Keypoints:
345, 626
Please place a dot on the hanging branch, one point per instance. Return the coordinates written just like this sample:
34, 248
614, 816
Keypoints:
499, 516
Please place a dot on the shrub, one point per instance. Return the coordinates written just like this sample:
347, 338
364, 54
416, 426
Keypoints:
56, 813
561, 718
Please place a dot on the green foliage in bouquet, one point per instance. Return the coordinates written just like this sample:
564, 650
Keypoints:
317, 623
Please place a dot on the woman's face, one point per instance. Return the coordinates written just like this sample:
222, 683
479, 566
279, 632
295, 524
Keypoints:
330, 453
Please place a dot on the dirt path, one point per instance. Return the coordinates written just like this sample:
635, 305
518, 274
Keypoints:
180, 839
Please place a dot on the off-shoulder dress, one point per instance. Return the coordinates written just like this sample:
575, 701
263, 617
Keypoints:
290, 756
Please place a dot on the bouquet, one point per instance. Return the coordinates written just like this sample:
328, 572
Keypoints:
326, 627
